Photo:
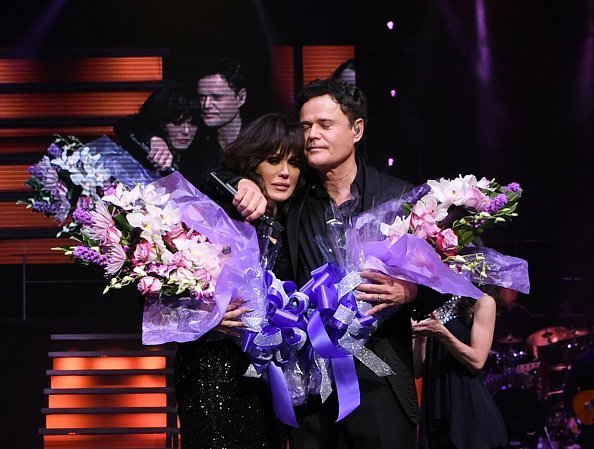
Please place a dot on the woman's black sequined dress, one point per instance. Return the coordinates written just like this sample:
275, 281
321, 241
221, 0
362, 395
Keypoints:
220, 408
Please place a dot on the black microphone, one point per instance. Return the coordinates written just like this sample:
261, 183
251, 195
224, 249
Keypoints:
141, 144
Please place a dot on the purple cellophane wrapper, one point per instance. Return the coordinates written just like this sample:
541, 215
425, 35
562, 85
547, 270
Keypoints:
120, 163
413, 259
181, 320
504, 271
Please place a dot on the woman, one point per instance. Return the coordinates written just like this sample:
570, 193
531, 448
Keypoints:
218, 406
163, 133
450, 350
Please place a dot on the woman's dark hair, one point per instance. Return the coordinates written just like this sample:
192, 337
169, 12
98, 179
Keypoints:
173, 102
266, 136
351, 99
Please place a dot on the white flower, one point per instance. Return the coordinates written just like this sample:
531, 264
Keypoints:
396, 229
457, 191
123, 197
149, 223
155, 196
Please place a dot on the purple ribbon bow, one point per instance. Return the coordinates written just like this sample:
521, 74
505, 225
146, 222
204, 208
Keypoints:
284, 333
330, 330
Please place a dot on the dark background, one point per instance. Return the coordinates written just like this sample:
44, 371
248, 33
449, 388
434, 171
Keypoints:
528, 119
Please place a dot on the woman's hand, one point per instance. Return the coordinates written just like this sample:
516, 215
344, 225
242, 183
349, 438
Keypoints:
428, 326
385, 290
231, 322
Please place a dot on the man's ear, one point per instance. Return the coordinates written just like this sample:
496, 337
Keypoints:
358, 129
241, 96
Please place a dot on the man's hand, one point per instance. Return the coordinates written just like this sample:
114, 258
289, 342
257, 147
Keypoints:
385, 290
231, 322
160, 155
249, 201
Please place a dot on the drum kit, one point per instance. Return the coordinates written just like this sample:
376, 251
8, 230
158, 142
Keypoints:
526, 379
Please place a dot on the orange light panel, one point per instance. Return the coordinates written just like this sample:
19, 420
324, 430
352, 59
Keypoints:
106, 420
62, 70
107, 400
18, 216
13, 177
70, 104
320, 61
37, 251
77, 363
156, 441
108, 381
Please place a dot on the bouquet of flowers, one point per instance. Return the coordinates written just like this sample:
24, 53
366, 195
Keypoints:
73, 176
178, 247
436, 226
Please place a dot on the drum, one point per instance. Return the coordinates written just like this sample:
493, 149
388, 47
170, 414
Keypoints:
522, 412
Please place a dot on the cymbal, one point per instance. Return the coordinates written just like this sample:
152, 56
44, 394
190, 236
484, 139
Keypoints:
509, 340
554, 334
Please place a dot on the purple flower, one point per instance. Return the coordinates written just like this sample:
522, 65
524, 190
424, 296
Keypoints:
85, 254
34, 170
496, 204
513, 187
54, 151
83, 217
46, 208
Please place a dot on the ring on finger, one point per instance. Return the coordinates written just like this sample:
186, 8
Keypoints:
379, 296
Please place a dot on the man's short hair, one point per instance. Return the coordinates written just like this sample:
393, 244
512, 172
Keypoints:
351, 99
229, 68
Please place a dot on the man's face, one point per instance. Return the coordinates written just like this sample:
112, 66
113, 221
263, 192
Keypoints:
329, 138
219, 103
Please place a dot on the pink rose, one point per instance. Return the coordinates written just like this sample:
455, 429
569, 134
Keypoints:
149, 285
446, 242
143, 253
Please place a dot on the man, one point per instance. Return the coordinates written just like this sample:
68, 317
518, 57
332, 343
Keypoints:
222, 92
333, 114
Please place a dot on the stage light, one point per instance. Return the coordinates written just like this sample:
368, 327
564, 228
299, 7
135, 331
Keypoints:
390, 24
390, 162
393, 93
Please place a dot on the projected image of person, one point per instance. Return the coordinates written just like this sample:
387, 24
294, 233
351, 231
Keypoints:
163, 133
221, 93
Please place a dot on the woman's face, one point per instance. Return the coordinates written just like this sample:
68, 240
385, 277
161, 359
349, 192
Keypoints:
180, 134
280, 176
